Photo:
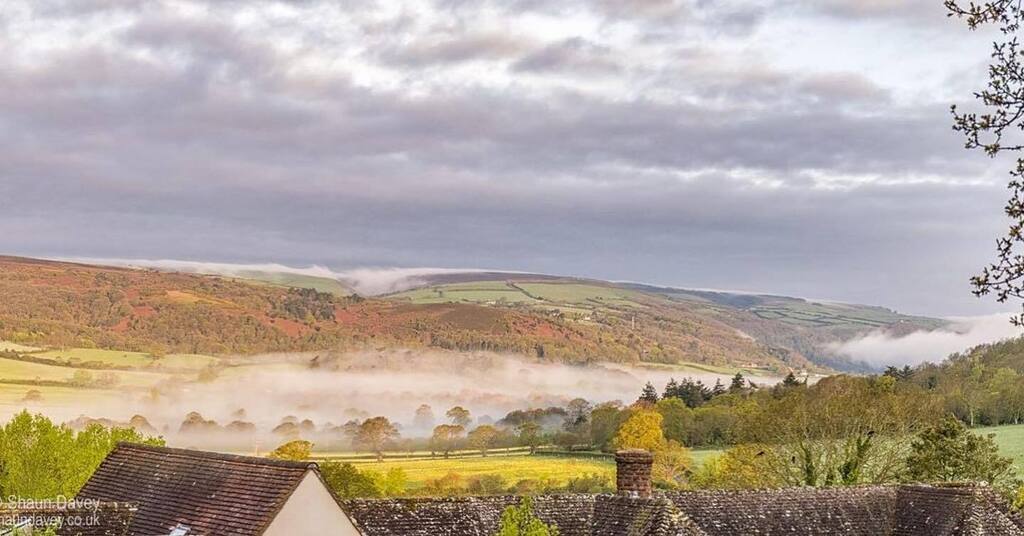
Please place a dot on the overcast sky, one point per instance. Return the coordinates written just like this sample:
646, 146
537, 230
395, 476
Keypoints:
797, 147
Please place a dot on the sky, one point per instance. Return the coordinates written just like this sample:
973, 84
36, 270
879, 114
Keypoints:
800, 148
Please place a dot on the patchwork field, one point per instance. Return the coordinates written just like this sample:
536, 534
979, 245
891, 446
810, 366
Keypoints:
577, 297
476, 292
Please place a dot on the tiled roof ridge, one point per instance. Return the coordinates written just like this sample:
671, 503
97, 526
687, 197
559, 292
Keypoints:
471, 498
979, 491
220, 456
670, 494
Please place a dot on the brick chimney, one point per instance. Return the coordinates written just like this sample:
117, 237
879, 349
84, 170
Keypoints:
633, 472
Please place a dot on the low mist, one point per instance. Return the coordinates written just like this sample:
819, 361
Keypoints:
881, 349
365, 281
328, 390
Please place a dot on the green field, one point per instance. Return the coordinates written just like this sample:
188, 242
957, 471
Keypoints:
8, 346
476, 292
702, 455
513, 468
282, 279
579, 294
1010, 440
117, 358
12, 397
12, 369
108, 357
560, 468
184, 361
572, 298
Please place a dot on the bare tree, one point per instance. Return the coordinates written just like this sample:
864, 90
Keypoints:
992, 131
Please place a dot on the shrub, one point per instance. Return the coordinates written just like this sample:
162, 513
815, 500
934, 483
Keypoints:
949, 452
521, 521
490, 484
348, 482
297, 450
445, 486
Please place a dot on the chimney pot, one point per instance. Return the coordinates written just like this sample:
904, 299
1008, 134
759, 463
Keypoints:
633, 472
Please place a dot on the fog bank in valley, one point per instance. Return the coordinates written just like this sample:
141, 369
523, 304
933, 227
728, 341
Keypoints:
328, 390
882, 349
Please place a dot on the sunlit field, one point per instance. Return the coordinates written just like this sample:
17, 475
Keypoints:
513, 468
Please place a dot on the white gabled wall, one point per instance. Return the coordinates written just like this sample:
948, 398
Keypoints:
312, 511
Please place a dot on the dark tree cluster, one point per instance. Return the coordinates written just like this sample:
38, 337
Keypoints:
692, 392
306, 304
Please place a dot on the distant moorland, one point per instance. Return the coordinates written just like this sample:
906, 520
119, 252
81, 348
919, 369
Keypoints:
59, 304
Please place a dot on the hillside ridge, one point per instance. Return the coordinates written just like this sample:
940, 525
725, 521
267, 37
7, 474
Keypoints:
567, 319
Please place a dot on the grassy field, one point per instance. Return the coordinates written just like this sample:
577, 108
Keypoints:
513, 468
109, 357
577, 297
478, 292
702, 455
1010, 440
138, 360
185, 361
12, 397
560, 468
11, 369
8, 346
322, 284
572, 293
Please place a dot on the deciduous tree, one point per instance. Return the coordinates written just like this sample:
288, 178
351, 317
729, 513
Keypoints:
483, 438
375, 433
459, 416
949, 452
424, 418
641, 431
298, 450
996, 130
445, 437
521, 521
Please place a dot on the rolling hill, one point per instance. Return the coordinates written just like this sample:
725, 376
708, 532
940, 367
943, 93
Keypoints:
52, 303
792, 329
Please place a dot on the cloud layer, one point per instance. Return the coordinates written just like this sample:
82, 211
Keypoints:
765, 145
881, 349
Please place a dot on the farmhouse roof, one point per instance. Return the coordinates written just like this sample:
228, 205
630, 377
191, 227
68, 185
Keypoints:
465, 516
861, 510
889, 510
640, 516
226, 495
211, 493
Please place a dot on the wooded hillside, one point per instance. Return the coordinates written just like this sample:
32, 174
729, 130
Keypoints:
66, 304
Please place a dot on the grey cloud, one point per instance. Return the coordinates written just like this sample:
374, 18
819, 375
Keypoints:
455, 48
575, 55
218, 145
866, 9
848, 87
